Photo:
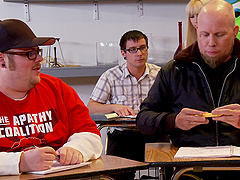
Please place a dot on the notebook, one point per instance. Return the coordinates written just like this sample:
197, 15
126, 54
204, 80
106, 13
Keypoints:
58, 167
209, 151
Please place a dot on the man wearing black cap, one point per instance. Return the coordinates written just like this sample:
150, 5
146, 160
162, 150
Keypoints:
41, 117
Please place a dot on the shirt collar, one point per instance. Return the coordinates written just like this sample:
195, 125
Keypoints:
126, 72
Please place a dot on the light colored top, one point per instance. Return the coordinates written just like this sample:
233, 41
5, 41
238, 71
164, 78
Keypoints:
118, 86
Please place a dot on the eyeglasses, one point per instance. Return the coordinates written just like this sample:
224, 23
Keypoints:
133, 50
31, 55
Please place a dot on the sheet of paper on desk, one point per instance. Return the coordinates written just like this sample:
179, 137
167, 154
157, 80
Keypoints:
210, 151
114, 115
130, 116
58, 167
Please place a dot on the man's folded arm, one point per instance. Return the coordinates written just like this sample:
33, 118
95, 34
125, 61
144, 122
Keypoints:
89, 144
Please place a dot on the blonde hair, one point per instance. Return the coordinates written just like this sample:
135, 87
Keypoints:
192, 8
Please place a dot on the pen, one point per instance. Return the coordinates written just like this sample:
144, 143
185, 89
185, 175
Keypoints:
58, 157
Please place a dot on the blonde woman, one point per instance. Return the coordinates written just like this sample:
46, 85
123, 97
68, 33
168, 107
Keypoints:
192, 10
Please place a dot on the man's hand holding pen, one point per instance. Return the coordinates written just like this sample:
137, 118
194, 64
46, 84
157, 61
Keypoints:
42, 158
69, 155
37, 159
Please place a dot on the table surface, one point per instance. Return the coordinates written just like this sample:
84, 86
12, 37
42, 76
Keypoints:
116, 121
106, 164
100, 118
123, 122
162, 155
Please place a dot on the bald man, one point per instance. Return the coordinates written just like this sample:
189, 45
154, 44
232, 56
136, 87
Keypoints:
195, 98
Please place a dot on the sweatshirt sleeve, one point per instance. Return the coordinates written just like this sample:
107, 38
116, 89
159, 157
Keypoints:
9, 163
89, 144
156, 116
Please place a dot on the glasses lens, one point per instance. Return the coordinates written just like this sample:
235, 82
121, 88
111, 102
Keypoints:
32, 55
133, 50
143, 48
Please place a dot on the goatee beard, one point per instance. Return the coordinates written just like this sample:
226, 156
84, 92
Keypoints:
214, 62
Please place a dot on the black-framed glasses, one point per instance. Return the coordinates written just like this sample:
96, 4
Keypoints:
133, 50
31, 55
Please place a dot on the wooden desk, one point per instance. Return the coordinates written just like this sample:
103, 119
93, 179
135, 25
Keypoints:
121, 122
106, 164
113, 122
162, 155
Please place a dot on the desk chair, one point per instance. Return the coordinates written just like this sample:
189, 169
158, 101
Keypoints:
115, 123
162, 154
150, 173
130, 123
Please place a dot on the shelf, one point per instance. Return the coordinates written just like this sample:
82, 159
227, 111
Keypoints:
83, 71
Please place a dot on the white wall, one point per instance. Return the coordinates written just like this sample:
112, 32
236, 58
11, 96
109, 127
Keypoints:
78, 31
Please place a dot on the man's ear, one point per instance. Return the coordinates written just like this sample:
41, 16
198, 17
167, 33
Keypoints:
123, 54
2, 60
235, 30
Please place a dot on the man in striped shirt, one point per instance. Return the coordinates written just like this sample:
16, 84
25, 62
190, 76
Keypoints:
122, 89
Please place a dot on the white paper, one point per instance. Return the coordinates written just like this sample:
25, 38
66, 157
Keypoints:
115, 115
129, 116
236, 151
58, 167
210, 151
